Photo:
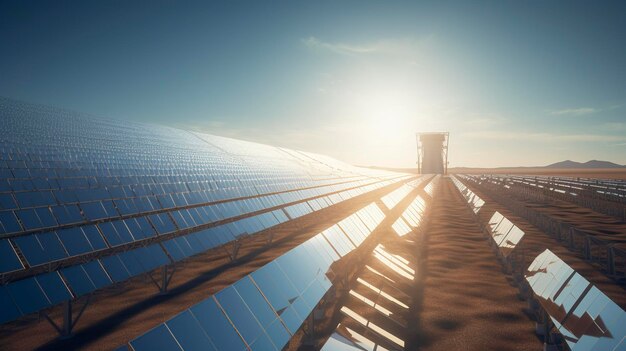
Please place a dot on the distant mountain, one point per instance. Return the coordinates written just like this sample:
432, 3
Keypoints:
588, 164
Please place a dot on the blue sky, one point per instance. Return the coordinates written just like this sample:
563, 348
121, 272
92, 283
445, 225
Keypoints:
515, 83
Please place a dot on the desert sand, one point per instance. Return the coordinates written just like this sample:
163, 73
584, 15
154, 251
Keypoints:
468, 302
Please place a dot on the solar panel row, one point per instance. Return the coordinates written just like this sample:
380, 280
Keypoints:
86, 203
85, 278
605, 196
586, 318
504, 235
68, 214
608, 250
430, 188
376, 297
393, 198
75, 169
609, 189
264, 309
474, 201
411, 218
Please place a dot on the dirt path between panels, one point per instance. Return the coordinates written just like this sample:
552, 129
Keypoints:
467, 302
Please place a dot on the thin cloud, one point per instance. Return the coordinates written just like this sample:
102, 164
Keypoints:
581, 111
340, 48
387, 46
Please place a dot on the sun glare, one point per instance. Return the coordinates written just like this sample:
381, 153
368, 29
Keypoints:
384, 114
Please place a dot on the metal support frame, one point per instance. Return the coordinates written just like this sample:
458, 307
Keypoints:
587, 248
343, 282
549, 343
610, 256
167, 272
445, 150
65, 331
233, 250
309, 332
317, 314
419, 155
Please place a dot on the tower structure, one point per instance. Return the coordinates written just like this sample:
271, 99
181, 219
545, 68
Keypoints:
432, 152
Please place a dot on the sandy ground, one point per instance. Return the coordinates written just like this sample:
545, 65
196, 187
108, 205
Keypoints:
468, 303
120, 314
603, 226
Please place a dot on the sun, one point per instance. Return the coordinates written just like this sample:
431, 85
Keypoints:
385, 114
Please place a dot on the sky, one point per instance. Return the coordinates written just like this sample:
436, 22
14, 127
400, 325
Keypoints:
515, 83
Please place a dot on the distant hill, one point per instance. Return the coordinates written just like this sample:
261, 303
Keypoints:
588, 164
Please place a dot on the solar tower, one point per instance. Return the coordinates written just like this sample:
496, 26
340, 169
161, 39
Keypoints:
432, 152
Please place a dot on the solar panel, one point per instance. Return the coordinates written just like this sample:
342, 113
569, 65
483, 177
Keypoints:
474, 201
10, 262
392, 199
336, 237
587, 319
430, 187
263, 309
346, 339
400, 227
28, 296
500, 231
505, 235
410, 218
9, 310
